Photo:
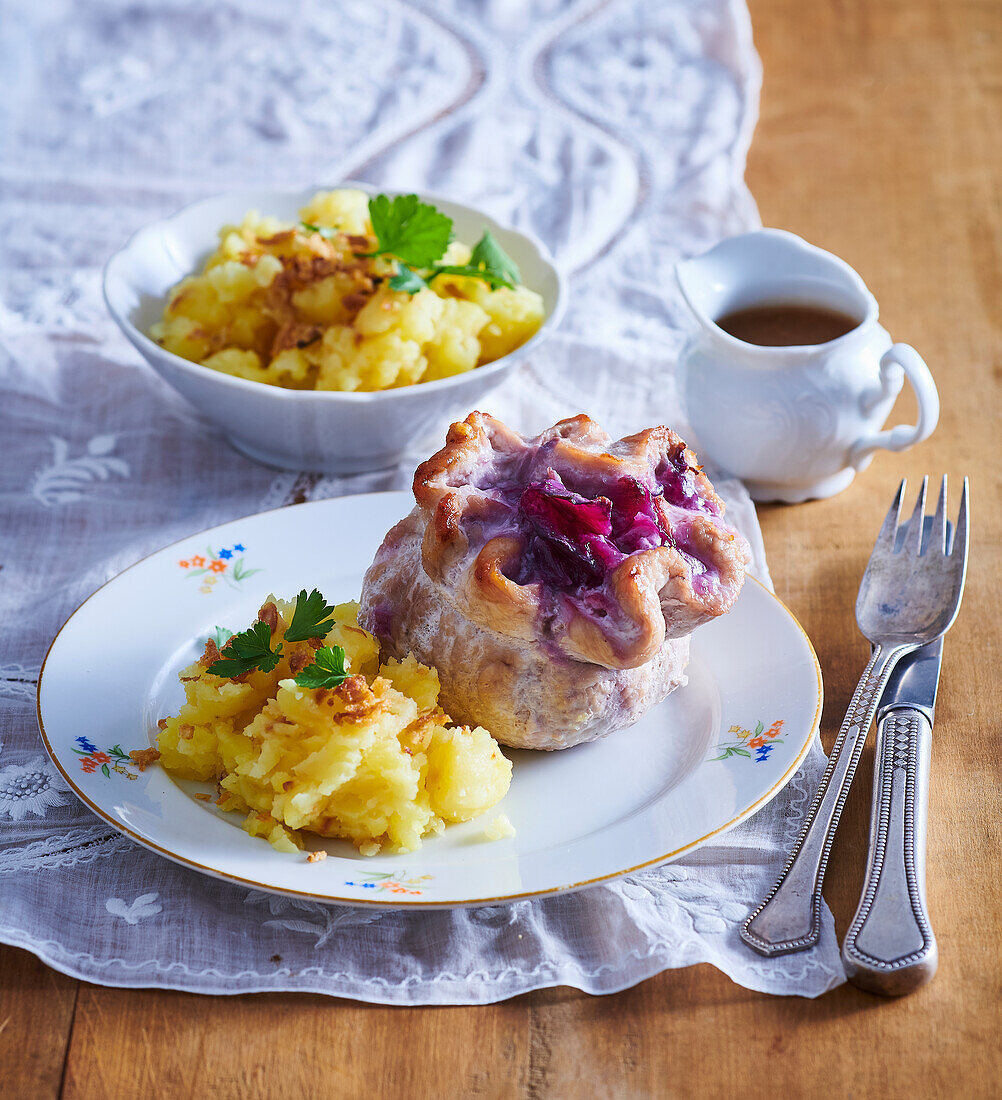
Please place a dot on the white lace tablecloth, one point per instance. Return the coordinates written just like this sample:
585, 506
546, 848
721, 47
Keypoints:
617, 132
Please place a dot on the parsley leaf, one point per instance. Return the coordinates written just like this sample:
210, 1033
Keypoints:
492, 258
246, 651
412, 230
221, 636
488, 261
417, 235
311, 619
406, 279
325, 231
329, 669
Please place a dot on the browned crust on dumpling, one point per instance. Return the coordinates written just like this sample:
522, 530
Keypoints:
636, 584
654, 589
507, 607
730, 555
466, 439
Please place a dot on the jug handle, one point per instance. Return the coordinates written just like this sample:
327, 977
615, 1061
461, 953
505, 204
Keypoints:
903, 436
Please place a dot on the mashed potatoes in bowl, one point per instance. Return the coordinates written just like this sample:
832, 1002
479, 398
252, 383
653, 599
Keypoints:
325, 303
335, 431
372, 759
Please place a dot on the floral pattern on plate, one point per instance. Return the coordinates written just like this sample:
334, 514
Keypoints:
211, 566
760, 740
393, 882
93, 759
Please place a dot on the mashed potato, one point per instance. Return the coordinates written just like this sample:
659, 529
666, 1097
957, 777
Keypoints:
294, 306
375, 760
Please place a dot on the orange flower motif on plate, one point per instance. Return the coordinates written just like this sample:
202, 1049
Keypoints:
746, 742
226, 564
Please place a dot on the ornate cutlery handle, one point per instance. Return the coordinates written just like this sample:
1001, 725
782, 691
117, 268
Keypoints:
890, 948
789, 919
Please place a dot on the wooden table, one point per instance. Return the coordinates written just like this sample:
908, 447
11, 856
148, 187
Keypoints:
880, 140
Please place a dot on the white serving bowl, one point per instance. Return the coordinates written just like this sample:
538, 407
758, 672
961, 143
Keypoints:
327, 431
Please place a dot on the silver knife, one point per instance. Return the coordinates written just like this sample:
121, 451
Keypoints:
890, 947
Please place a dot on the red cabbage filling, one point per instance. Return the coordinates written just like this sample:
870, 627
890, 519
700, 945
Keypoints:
678, 482
572, 542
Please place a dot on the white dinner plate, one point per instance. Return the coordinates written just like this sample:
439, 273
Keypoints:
705, 759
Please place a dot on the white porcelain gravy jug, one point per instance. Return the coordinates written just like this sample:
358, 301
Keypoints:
794, 423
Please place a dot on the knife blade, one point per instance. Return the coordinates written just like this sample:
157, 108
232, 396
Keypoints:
914, 682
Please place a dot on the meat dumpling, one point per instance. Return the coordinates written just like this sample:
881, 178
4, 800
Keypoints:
553, 582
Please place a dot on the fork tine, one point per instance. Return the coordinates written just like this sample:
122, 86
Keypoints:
937, 534
885, 540
958, 549
912, 542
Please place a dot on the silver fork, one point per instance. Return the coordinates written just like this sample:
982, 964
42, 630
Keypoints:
906, 599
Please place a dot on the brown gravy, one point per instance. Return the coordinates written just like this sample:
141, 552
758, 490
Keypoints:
786, 324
